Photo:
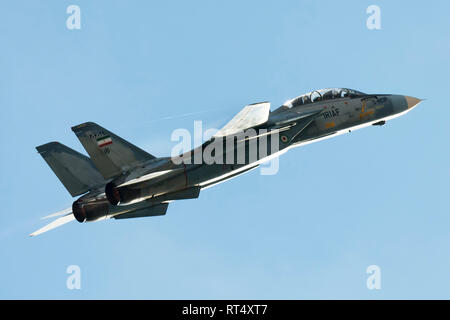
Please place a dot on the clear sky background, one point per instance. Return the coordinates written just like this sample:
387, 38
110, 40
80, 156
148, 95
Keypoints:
144, 68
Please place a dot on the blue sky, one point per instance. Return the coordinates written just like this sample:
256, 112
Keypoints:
375, 196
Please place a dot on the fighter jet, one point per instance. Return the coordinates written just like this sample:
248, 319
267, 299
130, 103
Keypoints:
121, 181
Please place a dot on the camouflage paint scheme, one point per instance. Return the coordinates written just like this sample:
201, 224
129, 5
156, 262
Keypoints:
121, 181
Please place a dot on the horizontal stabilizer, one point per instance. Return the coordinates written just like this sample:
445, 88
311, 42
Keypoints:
111, 154
76, 171
252, 115
156, 210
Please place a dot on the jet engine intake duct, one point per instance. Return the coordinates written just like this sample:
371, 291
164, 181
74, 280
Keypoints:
90, 211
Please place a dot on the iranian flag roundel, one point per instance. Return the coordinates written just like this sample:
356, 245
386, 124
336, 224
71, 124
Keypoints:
104, 141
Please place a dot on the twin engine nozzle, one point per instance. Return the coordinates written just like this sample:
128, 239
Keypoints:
108, 204
85, 210
124, 195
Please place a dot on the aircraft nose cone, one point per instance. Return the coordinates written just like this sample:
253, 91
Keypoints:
412, 102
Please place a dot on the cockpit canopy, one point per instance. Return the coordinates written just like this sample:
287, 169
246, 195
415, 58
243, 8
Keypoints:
322, 95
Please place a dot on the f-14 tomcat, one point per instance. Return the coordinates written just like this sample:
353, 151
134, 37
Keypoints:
122, 181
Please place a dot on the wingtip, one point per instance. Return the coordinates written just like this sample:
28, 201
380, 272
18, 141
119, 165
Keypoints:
54, 224
64, 212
